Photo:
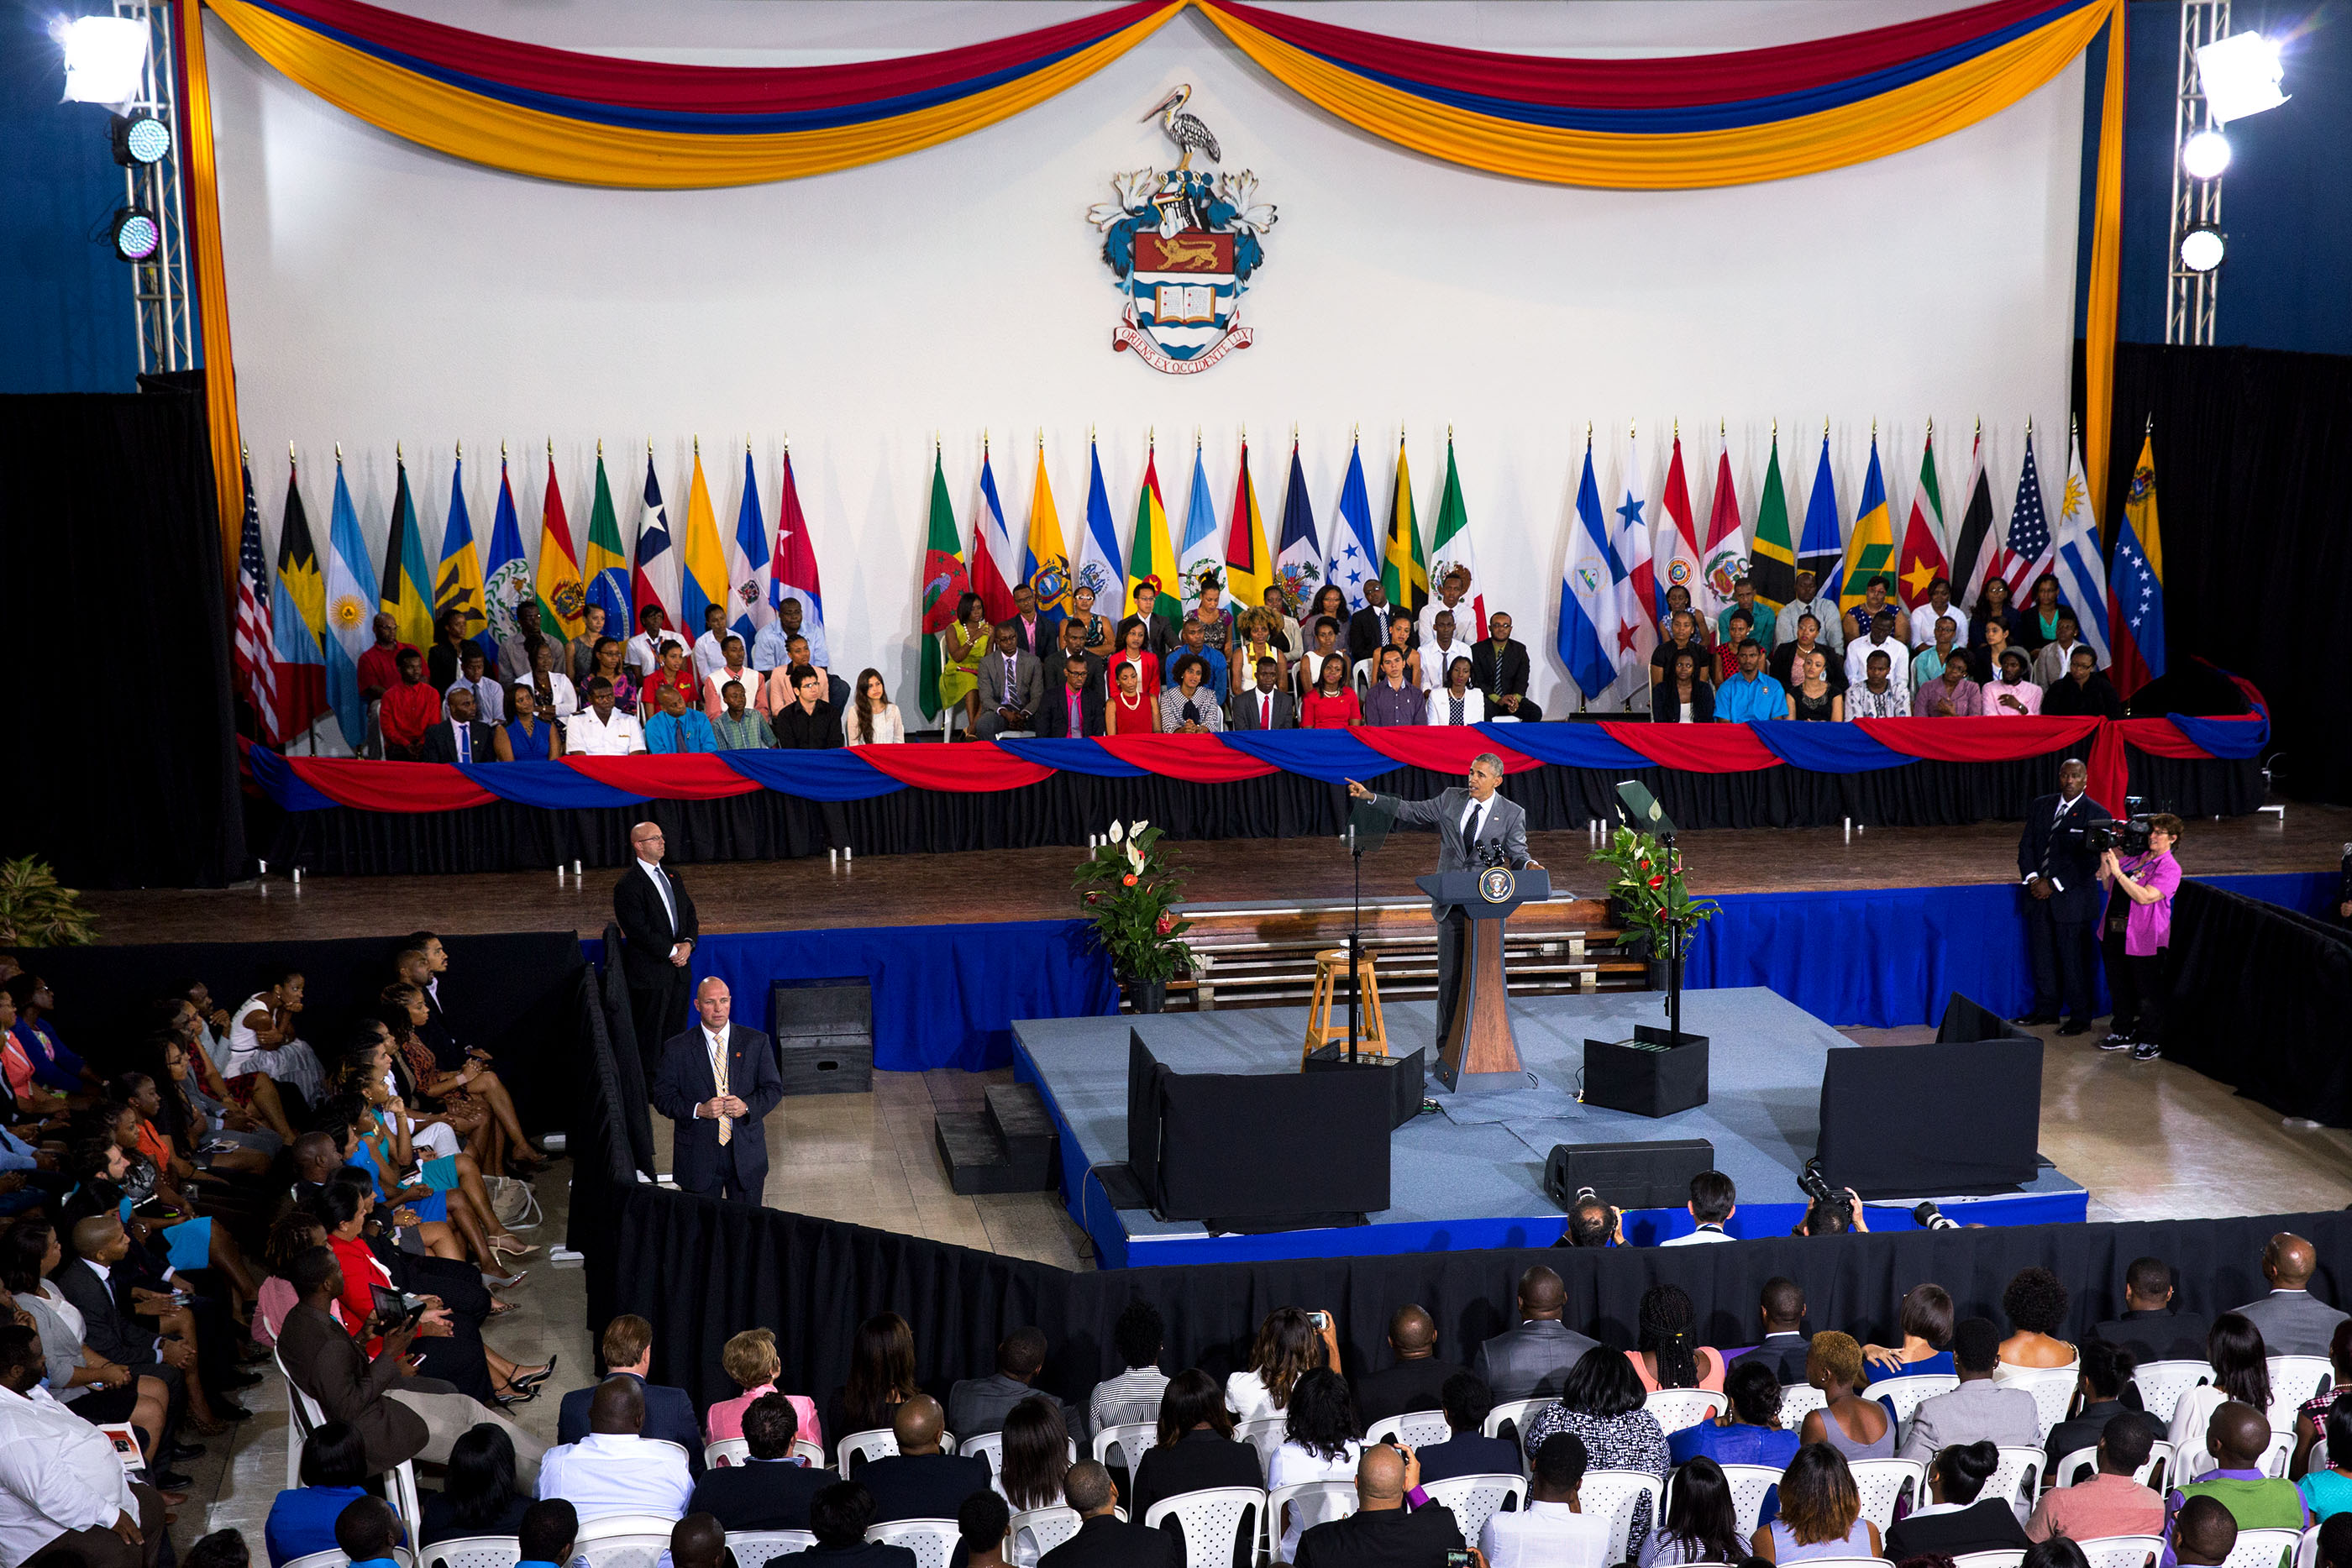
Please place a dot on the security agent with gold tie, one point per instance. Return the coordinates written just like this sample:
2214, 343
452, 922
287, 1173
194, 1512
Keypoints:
717, 1083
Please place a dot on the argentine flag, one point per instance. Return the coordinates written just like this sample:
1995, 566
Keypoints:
1590, 616
351, 614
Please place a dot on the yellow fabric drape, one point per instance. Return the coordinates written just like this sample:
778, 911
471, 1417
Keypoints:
2106, 272
203, 213
525, 141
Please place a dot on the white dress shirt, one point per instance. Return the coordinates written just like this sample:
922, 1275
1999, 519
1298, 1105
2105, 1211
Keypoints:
640, 654
58, 1474
585, 734
709, 656
611, 1472
1899, 661
661, 887
1923, 625
1699, 1238
1549, 1533
490, 699
1435, 660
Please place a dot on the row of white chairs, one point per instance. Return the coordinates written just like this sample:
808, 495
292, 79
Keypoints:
2294, 1379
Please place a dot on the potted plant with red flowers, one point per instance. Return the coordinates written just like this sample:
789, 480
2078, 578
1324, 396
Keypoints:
1129, 892
1646, 895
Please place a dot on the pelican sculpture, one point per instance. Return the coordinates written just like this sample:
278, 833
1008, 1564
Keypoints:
1184, 130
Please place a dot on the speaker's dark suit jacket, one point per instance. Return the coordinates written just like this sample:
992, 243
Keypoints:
646, 925
2073, 868
686, 1080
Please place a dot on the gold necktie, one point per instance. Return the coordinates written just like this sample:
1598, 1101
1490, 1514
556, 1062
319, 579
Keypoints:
718, 1077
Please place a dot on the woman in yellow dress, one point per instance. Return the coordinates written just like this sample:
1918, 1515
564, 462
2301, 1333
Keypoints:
1258, 641
963, 643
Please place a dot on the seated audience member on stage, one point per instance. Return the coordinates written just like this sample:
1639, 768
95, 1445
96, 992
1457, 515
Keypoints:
2136, 940
749, 1358
407, 711
1469, 1451
1701, 1521
2202, 1535
490, 699
872, 718
2327, 1481
1262, 704
1130, 710
379, 667
978, 1406
1194, 638
1158, 635
672, 671
1713, 1200
771, 649
1534, 1357
2236, 1437
1980, 1409
1938, 606
1875, 693
1929, 662
1821, 607
2060, 879
2014, 694
1393, 699
1190, 705
1857, 1426
1748, 1432
1880, 639
2056, 657
1682, 636
1386, 1528
600, 729
1196, 1450
1074, 705
1961, 1518
1448, 640
772, 1490
2108, 1502
699, 1541
2293, 1321
628, 1347
1781, 1307
1741, 624
1368, 628
1331, 703
550, 1531
531, 732
1070, 643
613, 1468
1324, 641
1751, 697
1950, 694
2035, 1304
1786, 665
714, 685
1820, 1513
1667, 1353
1322, 1442
462, 736
881, 1376
2083, 692
1600, 1401
1454, 701
367, 1530
2149, 1328
678, 728
1499, 668
63, 1497
1417, 1379
1012, 687
1862, 617
1291, 1343
808, 723
1683, 694
1552, 1531
736, 725
1134, 1394
302, 1519
1103, 1540
480, 1495
920, 1481
1925, 1345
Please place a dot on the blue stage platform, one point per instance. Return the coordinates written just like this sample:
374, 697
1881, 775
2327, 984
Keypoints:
1472, 1177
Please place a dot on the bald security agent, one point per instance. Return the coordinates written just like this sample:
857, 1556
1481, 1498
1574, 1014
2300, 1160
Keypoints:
717, 1083
658, 931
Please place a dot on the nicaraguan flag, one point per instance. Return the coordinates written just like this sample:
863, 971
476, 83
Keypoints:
351, 614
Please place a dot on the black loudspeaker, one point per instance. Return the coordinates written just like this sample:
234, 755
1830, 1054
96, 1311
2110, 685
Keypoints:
824, 1035
1650, 1075
1408, 1076
1955, 1118
1630, 1175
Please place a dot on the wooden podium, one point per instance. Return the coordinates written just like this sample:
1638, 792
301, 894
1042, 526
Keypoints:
1478, 1053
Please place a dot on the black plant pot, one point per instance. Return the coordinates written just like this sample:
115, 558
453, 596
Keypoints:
1147, 995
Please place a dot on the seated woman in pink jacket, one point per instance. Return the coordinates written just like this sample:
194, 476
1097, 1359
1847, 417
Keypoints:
752, 1361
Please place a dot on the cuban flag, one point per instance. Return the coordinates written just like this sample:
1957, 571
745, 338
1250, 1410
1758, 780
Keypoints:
1590, 620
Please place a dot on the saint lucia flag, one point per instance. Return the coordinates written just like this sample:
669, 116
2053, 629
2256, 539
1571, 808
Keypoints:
1045, 560
1822, 546
1096, 569
1298, 564
1590, 622
460, 585
1355, 554
351, 614
507, 584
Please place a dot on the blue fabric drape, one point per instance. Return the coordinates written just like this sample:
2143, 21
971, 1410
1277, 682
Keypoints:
1567, 745
1334, 756
1072, 756
1827, 748
835, 775
548, 785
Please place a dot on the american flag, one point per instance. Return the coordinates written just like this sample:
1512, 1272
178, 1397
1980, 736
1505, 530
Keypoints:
255, 673
2031, 551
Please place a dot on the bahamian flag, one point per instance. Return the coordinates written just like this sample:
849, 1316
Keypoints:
508, 582
1298, 559
1772, 555
1249, 566
1590, 618
944, 581
1870, 550
406, 590
1045, 559
1355, 554
1097, 567
561, 600
460, 585
605, 566
1200, 558
2137, 579
1405, 565
704, 581
1153, 558
350, 613
1822, 546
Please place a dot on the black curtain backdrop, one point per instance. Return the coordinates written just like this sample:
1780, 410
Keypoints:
1067, 807
109, 544
2253, 447
2261, 1000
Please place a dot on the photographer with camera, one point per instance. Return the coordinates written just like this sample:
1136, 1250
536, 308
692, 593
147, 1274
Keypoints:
2136, 930
2057, 868
1591, 1222
1830, 1210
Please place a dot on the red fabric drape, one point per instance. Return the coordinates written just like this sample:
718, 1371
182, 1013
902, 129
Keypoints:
968, 766
1195, 758
389, 786
1441, 748
1977, 740
1694, 747
688, 776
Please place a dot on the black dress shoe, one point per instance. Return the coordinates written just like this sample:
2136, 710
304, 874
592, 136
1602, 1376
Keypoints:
168, 1480
2031, 1019
2074, 1026
253, 1355
180, 1453
237, 1379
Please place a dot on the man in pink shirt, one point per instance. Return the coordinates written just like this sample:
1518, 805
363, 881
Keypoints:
2010, 694
2111, 1503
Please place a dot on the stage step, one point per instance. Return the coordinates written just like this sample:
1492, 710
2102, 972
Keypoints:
1007, 1145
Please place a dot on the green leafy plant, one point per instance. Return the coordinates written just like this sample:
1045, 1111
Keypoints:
36, 911
1130, 892
1647, 885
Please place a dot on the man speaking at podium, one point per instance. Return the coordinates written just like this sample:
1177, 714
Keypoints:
1476, 828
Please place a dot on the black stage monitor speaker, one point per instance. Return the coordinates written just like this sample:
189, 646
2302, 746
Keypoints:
1655, 1073
1955, 1118
1655, 1175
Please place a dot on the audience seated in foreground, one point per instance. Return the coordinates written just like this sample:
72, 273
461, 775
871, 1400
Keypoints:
614, 1468
1602, 1404
1960, 1516
1196, 1450
1781, 1307
1103, 1540
1534, 1357
1322, 1442
1134, 1394
628, 1348
2293, 1321
2149, 1328
1469, 1451
978, 1406
2105, 1371
771, 1490
2236, 1438
1980, 1408
1748, 1432
920, 1481
1820, 1513
1702, 1521
1551, 1531
302, 1519
478, 1493
1385, 1528
839, 1516
550, 1531
2202, 1535
1417, 1381
2108, 1502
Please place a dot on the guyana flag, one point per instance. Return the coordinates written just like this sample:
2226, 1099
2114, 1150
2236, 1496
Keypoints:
1152, 558
944, 582
1772, 558
1405, 570
1870, 548
1249, 566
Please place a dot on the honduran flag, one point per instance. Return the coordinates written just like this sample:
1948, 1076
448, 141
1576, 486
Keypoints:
1590, 622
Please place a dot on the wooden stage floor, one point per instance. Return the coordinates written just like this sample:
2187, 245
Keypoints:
1033, 884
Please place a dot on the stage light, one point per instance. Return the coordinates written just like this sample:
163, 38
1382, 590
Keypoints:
2202, 248
140, 137
2204, 155
2239, 74
135, 234
106, 59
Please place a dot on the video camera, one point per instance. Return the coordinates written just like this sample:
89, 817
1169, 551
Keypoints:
2130, 836
1825, 1198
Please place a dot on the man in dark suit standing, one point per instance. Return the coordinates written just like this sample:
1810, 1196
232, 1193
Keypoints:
1074, 704
1103, 1540
462, 736
1469, 822
1498, 669
1369, 628
2061, 878
717, 1083
1030, 629
1263, 704
658, 930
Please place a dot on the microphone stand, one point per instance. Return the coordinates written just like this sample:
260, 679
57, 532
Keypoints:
1355, 943
1674, 953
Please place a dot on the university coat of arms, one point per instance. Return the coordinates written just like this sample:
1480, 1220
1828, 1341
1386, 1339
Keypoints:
1182, 243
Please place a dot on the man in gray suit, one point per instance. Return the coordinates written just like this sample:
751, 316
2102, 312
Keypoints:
1978, 1410
1011, 686
1264, 705
1470, 823
2293, 1321
978, 1406
1533, 1358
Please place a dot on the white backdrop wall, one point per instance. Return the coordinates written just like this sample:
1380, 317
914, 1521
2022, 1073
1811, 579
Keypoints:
382, 293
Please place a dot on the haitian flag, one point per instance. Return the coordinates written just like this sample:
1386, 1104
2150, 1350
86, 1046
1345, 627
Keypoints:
2137, 580
1298, 564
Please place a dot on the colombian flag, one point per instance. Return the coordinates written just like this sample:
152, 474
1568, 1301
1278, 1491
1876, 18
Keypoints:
704, 581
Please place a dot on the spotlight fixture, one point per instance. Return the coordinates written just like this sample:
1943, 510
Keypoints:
106, 59
2239, 74
135, 233
2202, 249
2204, 155
140, 138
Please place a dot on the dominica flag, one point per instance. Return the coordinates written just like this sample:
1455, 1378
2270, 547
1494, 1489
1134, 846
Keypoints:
1405, 570
1870, 550
1450, 550
406, 589
944, 582
1153, 557
604, 568
1772, 559
460, 585
1249, 565
1923, 537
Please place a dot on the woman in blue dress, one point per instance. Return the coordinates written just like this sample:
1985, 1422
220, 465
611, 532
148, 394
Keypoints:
532, 735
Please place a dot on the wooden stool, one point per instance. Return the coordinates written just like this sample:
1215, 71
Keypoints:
1326, 1014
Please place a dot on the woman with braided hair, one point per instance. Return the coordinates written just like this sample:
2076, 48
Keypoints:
1670, 1356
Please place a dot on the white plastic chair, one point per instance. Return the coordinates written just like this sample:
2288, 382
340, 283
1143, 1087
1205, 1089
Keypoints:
1264, 1433
1798, 1400
2162, 1383
478, 1552
1676, 1408
874, 1442
2053, 1388
1131, 1441
2018, 1479
1880, 1484
1988, 1560
2262, 1549
1035, 1531
303, 1416
726, 1453
932, 1540
2278, 1455
1905, 1394
1750, 1486
989, 1446
1515, 1413
400, 1487
1414, 1429
812, 1453
2122, 1551
1616, 1496
622, 1541
2294, 1379
1317, 1502
2084, 1463
676, 1448
753, 1548
2306, 1551
337, 1560
1214, 1520
1476, 1499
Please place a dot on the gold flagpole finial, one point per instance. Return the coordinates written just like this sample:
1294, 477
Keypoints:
1355, 433
1151, 436
1244, 432
2029, 426
1588, 433
290, 452
984, 441
550, 449
2149, 429
786, 437
1825, 427
599, 449
1449, 433
1979, 427
459, 445
1196, 438
339, 454
1931, 427
1628, 430
698, 448
1040, 438
502, 451
1723, 430
1678, 427
1874, 428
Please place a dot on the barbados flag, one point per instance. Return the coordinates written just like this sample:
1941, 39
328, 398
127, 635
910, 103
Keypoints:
2136, 579
460, 586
